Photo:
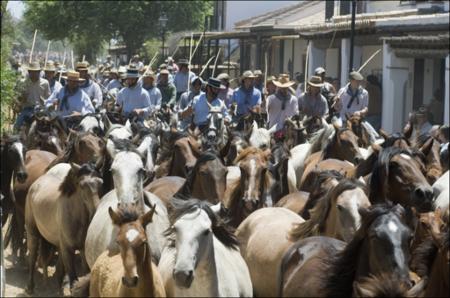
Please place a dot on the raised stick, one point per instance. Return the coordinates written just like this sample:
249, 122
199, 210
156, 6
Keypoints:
84, 56
190, 58
265, 70
73, 65
368, 60
46, 54
62, 65
32, 46
206, 65
306, 67
215, 63
199, 42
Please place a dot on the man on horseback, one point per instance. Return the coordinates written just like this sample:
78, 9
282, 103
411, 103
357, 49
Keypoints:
187, 98
201, 105
168, 90
327, 90
281, 105
182, 78
35, 91
148, 83
352, 99
246, 98
49, 75
91, 88
134, 99
312, 103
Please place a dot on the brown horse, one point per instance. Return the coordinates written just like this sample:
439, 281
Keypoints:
397, 177
252, 190
295, 201
395, 140
48, 141
355, 124
431, 150
321, 266
431, 258
336, 214
386, 285
72, 200
132, 272
311, 175
165, 187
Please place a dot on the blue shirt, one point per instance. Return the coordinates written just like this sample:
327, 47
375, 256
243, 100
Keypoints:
77, 102
201, 109
134, 98
246, 100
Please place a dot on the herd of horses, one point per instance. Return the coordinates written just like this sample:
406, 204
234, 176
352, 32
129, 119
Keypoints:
153, 211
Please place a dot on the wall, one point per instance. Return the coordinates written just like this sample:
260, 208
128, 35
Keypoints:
299, 51
379, 6
376, 64
332, 63
428, 79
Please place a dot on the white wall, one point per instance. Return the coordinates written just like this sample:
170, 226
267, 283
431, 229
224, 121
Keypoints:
447, 90
375, 64
379, 6
332, 62
428, 78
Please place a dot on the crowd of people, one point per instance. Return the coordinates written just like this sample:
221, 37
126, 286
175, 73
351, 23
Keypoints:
140, 91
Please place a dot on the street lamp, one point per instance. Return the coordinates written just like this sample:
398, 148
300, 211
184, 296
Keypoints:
162, 26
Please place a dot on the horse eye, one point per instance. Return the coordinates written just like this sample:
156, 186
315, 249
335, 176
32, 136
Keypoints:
206, 233
340, 208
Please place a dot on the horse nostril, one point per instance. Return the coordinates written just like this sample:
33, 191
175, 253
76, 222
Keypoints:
22, 176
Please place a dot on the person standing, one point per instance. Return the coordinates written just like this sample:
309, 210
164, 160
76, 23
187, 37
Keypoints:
312, 103
182, 78
91, 88
281, 105
35, 90
133, 99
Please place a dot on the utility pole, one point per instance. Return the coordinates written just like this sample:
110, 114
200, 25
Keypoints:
352, 36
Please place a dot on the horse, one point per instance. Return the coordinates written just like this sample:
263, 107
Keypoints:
336, 214
72, 199
36, 162
444, 157
397, 177
386, 285
13, 165
252, 191
45, 122
128, 171
430, 148
92, 123
263, 241
432, 256
132, 272
395, 140
355, 123
184, 155
441, 191
202, 258
117, 131
214, 135
260, 137
323, 266
237, 141
47, 141
282, 171
295, 132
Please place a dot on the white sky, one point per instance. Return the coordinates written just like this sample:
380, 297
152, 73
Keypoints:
16, 8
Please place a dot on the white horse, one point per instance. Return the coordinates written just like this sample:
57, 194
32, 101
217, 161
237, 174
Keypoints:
118, 131
203, 259
260, 137
128, 170
92, 123
441, 191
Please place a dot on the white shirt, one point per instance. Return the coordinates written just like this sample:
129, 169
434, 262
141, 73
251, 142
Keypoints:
114, 84
360, 102
78, 102
94, 92
155, 97
134, 98
35, 92
275, 113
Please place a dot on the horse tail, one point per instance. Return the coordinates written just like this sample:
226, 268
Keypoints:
81, 286
282, 269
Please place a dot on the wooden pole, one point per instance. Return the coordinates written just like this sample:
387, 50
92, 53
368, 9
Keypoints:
46, 54
265, 70
62, 65
84, 56
32, 46
190, 58
368, 60
153, 60
215, 63
198, 43
306, 67
206, 65
73, 64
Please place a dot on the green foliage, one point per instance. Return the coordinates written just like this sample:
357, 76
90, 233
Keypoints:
89, 23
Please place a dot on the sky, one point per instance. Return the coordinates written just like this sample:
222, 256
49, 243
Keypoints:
16, 8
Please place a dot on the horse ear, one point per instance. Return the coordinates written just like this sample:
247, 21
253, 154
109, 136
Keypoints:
425, 149
383, 133
106, 122
417, 288
128, 125
273, 129
349, 123
147, 217
114, 216
360, 291
75, 167
336, 126
216, 208
111, 147
376, 148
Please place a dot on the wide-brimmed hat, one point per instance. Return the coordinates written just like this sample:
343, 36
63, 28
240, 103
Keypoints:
34, 66
195, 79
149, 74
354, 75
73, 76
421, 111
215, 83
114, 70
223, 76
315, 81
132, 72
319, 71
248, 74
183, 62
270, 79
257, 73
84, 65
164, 72
283, 81
163, 66
50, 66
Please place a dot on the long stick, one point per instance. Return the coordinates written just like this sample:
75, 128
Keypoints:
306, 67
206, 65
32, 46
176, 49
265, 70
62, 65
46, 54
84, 56
199, 42
215, 63
73, 65
368, 60
190, 58
153, 60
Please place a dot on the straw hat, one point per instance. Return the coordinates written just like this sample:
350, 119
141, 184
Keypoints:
164, 72
223, 76
34, 66
354, 75
149, 74
257, 73
73, 76
319, 71
183, 62
132, 72
248, 74
283, 81
315, 81
50, 66
84, 65
270, 79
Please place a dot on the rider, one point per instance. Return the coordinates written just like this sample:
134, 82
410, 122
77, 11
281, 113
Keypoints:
225, 94
133, 98
247, 98
148, 83
327, 89
49, 75
182, 78
312, 103
91, 88
71, 100
187, 98
281, 105
200, 108
168, 90
35, 91
114, 80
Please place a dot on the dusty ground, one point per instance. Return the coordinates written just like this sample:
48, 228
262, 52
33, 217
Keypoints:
17, 279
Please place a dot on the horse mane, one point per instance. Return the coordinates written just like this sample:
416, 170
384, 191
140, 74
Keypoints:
328, 150
281, 146
222, 232
318, 139
69, 185
186, 189
423, 257
318, 191
128, 213
389, 142
246, 152
381, 170
342, 266
316, 224
383, 285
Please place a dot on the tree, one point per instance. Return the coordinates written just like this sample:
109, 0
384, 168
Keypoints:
89, 23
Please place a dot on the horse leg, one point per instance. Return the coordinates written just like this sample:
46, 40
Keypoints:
68, 256
33, 246
59, 272
46, 253
84, 265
